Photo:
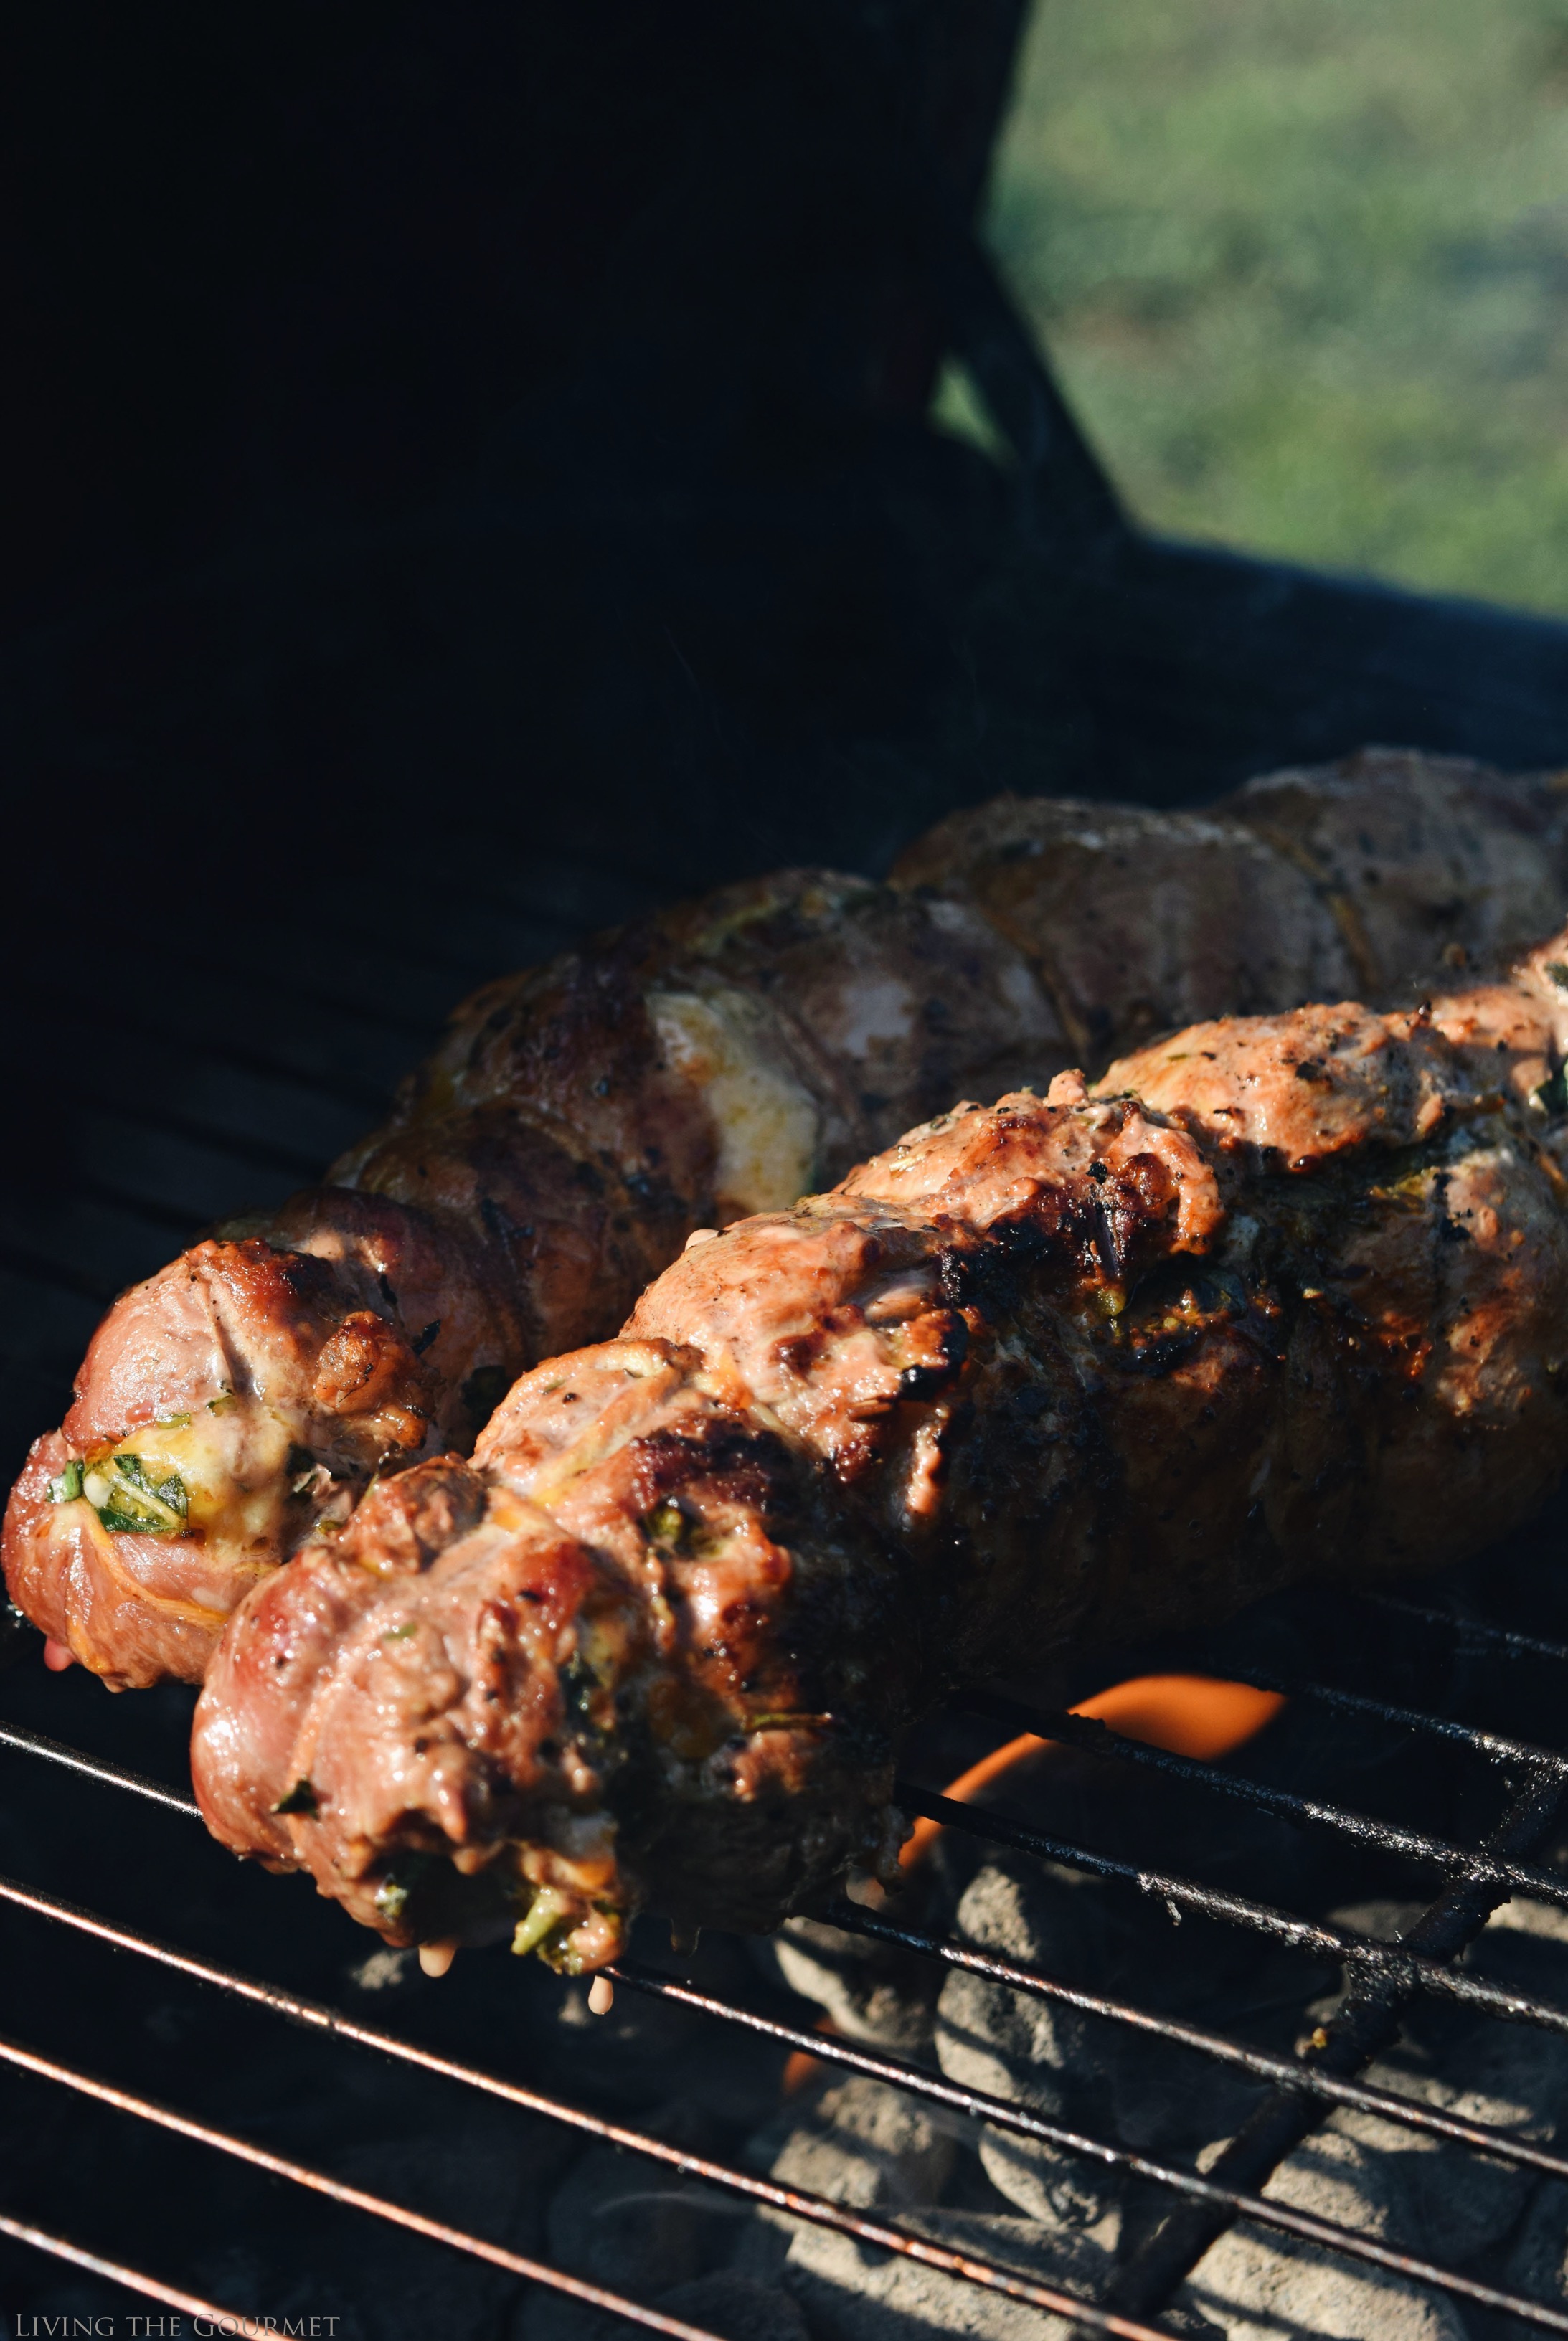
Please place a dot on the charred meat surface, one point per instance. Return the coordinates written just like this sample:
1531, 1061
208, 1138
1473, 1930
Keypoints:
582, 1120
1284, 1296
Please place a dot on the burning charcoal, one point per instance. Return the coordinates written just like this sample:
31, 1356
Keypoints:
871, 1991
869, 2144
854, 2292
1460, 2204
406, 2287
861, 2143
628, 2224
626, 2058
736, 2305
1256, 2286
493, 2177
1438, 2200
1518, 2080
1525, 1944
1061, 2190
1080, 2069
1537, 2259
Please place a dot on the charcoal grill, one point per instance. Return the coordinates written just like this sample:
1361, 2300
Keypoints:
163, 1071
262, 1098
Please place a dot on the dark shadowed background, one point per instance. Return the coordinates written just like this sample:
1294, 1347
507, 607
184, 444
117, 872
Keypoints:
515, 419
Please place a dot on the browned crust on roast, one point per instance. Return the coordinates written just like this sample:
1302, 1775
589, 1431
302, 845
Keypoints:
1426, 863
1134, 921
552, 1155
1284, 1298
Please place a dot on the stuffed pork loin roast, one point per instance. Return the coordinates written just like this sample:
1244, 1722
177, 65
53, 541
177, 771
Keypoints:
580, 1120
1283, 1296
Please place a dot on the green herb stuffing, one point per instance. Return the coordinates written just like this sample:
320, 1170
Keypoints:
301, 1799
666, 1523
67, 1488
405, 1875
544, 1915
128, 1499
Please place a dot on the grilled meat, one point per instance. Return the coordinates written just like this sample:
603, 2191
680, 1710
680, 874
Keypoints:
580, 1120
1284, 1296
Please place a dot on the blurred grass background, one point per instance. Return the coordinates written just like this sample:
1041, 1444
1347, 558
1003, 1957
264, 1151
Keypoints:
1302, 268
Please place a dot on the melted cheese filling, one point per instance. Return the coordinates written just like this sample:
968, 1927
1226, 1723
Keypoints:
219, 1474
765, 1120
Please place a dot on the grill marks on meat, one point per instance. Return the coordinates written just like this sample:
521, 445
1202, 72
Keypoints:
1042, 1373
581, 1119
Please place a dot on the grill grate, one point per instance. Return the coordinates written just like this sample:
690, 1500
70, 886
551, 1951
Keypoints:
167, 2295
280, 1075
1382, 1978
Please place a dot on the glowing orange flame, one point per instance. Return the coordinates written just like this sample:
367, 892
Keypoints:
1191, 1715
801, 2066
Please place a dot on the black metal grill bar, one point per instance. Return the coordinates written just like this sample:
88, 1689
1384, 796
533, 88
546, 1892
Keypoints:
1512, 1643
1073, 1730
58, 1275
794, 2201
259, 1154
71, 1011
1235, 2203
364, 1009
411, 948
1381, 1977
1310, 1934
235, 985
1367, 2022
1406, 1845
168, 2295
354, 2198
172, 1218
1497, 1745
1355, 1951
93, 1768
1261, 2064
1216, 2199
262, 1064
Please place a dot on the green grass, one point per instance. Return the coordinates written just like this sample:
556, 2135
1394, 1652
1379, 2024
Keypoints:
1302, 268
